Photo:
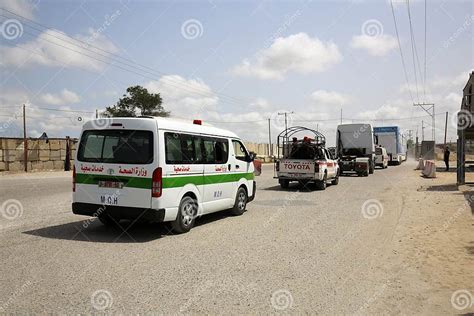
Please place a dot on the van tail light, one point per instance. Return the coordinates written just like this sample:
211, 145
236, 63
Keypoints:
74, 179
157, 183
277, 166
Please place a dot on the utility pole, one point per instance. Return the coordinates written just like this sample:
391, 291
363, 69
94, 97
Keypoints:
341, 115
416, 143
430, 109
445, 129
269, 139
96, 113
25, 141
286, 120
422, 130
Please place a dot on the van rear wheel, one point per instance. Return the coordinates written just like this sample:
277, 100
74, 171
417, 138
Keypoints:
187, 212
240, 203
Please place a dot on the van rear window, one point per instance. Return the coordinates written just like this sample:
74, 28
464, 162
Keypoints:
116, 146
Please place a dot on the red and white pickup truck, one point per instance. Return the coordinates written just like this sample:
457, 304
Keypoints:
321, 169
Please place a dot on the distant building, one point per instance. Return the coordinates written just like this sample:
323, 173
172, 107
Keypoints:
465, 128
467, 94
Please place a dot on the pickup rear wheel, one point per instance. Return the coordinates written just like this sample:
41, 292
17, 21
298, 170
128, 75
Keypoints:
284, 184
322, 184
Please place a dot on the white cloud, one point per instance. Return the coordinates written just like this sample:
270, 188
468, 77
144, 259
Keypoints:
184, 97
51, 51
324, 97
379, 45
458, 81
64, 97
384, 112
454, 98
260, 104
24, 7
298, 53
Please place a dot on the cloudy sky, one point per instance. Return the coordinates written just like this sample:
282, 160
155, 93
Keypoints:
235, 64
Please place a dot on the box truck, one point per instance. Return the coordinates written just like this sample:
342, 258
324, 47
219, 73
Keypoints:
356, 148
391, 138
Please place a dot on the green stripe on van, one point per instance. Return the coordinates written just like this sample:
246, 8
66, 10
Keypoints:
130, 182
177, 181
168, 182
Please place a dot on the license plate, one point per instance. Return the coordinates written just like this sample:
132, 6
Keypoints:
108, 199
110, 184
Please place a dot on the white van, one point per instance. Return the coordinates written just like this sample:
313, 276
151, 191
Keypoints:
160, 170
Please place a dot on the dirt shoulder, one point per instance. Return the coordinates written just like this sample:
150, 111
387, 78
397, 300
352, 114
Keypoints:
433, 250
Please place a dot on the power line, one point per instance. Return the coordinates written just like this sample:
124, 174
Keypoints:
129, 63
424, 78
414, 50
204, 94
83, 69
401, 52
86, 45
60, 110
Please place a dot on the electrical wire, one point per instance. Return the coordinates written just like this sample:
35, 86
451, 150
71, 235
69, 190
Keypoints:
129, 63
60, 110
401, 53
424, 78
414, 50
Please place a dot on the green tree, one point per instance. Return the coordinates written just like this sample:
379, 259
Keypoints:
137, 102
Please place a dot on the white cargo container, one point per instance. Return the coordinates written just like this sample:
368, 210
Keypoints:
391, 138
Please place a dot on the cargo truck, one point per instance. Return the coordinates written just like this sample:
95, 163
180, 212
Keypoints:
391, 138
355, 147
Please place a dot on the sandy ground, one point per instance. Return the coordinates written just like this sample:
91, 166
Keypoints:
434, 249
294, 251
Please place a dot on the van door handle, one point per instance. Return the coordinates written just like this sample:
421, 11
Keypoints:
229, 165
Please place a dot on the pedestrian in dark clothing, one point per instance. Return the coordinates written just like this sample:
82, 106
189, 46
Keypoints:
446, 157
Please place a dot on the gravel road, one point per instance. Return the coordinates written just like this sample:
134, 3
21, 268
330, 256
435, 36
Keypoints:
296, 251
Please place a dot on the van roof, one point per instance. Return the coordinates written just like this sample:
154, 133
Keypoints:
170, 124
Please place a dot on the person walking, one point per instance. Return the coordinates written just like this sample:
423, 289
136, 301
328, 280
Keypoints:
446, 157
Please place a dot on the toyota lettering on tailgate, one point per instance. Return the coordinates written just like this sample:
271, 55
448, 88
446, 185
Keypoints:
296, 166
290, 166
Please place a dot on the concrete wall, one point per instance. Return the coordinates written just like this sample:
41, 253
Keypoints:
42, 155
51, 155
261, 149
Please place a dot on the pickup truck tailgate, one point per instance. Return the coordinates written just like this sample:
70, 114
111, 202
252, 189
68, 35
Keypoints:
296, 166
